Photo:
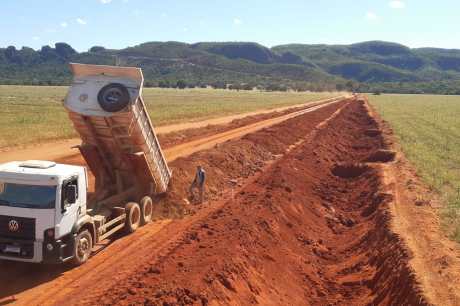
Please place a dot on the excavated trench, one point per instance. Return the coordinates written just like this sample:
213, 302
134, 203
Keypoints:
312, 228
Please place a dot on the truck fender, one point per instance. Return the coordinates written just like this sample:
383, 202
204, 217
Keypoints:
85, 222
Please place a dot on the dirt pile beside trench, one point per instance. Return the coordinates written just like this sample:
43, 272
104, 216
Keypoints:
298, 235
235, 161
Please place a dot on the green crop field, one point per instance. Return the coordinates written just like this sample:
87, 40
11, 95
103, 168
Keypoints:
428, 129
32, 114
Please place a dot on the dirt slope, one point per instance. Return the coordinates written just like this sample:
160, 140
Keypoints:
415, 216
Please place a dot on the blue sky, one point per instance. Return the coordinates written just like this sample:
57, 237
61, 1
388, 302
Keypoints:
122, 23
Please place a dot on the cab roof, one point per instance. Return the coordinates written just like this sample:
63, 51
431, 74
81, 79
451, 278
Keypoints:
34, 169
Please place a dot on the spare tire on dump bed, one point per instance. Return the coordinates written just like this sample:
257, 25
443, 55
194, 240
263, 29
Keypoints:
113, 97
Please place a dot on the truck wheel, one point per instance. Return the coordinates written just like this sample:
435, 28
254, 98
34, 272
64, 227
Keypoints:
146, 210
82, 248
113, 97
133, 217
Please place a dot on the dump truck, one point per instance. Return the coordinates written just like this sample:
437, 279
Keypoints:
47, 213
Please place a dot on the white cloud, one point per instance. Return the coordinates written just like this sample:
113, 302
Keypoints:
36, 38
81, 21
164, 15
237, 21
371, 16
64, 24
397, 4
105, 1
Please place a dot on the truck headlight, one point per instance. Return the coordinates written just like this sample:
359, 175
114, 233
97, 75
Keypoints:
50, 247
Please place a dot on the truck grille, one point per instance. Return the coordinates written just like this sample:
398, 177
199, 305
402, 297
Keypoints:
17, 227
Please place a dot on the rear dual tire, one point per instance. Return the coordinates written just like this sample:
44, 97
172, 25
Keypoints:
146, 210
138, 215
133, 217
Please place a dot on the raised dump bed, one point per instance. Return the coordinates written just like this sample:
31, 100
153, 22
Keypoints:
119, 142
121, 149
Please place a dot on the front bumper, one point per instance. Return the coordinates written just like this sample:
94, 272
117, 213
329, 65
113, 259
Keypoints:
21, 250
47, 252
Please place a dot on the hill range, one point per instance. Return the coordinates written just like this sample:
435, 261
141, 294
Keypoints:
368, 66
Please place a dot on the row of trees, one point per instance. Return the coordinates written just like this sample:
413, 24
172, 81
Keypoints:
269, 86
445, 88
438, 87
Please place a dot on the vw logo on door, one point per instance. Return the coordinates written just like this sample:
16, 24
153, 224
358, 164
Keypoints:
13, 226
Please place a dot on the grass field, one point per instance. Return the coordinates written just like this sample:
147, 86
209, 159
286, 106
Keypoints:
428, 128
32, 114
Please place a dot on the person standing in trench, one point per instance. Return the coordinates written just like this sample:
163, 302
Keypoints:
198, 183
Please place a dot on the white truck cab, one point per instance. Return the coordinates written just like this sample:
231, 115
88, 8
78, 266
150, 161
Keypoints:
40, 204
45, 213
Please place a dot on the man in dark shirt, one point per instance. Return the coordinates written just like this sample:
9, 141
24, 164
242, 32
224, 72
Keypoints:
198, 183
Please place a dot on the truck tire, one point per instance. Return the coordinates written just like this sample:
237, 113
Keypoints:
82, 248
113, 97
146, 210
133, 217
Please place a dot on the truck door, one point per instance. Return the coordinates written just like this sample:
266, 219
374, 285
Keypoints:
69, 212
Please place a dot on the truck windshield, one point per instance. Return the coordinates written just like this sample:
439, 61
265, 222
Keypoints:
27, 196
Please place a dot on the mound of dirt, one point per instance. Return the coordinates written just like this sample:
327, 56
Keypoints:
234, 160
296, 235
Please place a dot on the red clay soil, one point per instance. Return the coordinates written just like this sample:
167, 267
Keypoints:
235, 161
312, 229
308, 225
